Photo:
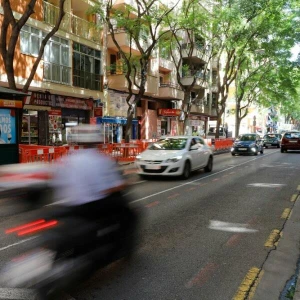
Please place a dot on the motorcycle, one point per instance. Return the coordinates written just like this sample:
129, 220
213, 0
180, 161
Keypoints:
66, 248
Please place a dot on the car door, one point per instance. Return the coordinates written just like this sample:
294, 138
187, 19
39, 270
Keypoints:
195, 152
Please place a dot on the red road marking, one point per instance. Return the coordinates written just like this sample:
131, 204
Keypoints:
233, 240
152, 204
173, 196
203, 276
190, 189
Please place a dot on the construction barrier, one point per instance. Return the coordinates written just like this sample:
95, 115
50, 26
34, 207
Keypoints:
44, 154
121, 152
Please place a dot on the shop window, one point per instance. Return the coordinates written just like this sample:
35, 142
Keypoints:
30, 127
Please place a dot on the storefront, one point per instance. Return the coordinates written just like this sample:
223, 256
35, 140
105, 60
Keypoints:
11, 103
197, 125
114, 128
167, 121
47, 118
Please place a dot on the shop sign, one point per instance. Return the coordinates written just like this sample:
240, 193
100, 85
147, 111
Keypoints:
55, 112
169, 112
55, 121
11, 103
7, 126
58, 101
98, 112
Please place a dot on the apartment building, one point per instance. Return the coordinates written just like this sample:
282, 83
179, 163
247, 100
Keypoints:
74, 84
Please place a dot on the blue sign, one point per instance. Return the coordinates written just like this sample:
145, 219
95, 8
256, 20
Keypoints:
7, 126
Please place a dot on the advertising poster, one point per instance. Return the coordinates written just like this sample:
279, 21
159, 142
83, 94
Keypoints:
7, 126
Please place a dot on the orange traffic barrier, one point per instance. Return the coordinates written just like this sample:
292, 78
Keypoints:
45, 155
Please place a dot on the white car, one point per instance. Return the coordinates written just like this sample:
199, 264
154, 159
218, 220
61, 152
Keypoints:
175, 156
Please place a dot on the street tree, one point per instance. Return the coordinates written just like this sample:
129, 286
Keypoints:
188, 44
142, 22
239, 28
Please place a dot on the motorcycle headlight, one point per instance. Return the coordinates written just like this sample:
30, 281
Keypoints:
174, 159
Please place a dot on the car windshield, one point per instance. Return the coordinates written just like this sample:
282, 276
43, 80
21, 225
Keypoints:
169, 144
247, 137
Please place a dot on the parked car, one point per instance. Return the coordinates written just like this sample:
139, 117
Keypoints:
175, 156
272, 139
249, 143
290, 141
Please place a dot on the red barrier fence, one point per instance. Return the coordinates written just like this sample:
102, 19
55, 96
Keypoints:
121, 152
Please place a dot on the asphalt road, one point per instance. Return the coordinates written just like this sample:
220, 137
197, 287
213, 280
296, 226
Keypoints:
200, 237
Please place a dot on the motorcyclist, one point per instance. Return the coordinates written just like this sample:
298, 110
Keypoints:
88, 183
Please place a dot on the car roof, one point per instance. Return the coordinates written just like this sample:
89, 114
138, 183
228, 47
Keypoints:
178, 136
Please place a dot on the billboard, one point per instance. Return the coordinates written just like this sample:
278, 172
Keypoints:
7, 126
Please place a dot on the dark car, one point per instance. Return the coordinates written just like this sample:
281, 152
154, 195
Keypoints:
290, 141
272, 139
249, 143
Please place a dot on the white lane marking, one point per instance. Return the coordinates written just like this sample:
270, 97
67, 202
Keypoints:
14, 293
25, 294
18, 243
230, 227
268, 185
199, 179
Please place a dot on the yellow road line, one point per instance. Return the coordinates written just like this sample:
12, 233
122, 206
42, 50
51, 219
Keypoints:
273, 238
294, 197
247, 283
286, 213
253, 288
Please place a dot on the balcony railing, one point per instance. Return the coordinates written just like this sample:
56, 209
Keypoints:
70, 22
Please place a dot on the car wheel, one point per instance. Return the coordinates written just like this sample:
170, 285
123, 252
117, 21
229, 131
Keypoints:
282, 150
232, 154
278, 146
186, 170
266, 147
209, 165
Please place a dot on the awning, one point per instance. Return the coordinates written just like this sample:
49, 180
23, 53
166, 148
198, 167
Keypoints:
113, 120
11, 94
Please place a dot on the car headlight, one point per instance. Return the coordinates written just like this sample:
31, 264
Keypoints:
174, 159
138, 158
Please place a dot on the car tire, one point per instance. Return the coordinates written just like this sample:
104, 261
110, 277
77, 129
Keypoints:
232, 154
209, 166
278, 146
266, 147
186, 170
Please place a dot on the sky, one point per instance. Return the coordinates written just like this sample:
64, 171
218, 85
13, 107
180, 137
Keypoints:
295, 51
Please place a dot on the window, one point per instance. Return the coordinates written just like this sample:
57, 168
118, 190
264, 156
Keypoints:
56, 54
86, 67
56, 60
31, 39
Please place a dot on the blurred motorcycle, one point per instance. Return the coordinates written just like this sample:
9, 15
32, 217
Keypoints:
65, 248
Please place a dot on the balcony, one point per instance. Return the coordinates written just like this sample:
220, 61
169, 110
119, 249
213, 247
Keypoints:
170, 91
123, 39
119, 82
71, 23
197, 56
165, 65
201, 80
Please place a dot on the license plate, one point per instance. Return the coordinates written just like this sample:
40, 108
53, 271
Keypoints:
152, 167
242, 149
